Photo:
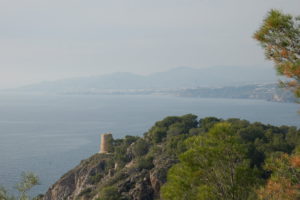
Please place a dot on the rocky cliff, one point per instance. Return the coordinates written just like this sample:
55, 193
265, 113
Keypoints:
135, 169
132, 182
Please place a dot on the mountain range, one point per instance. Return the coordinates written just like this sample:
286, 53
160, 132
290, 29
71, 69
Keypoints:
181, 77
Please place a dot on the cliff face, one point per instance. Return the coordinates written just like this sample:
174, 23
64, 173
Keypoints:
132, 181
78, 179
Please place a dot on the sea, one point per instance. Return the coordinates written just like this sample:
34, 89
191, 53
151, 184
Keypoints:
51, 134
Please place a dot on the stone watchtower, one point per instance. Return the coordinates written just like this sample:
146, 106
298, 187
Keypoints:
106, 143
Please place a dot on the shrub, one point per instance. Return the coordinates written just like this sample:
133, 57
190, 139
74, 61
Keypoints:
109, 193
157, 134
145, 163
95, 178
140, 148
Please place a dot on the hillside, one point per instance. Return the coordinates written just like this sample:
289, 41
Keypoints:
137, 167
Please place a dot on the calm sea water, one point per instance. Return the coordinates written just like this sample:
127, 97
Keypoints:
49, 135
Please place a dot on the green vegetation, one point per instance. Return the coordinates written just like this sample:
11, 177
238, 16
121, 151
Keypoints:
184, 158
28, 180
109, 193
140, 148
216, 159
120, 150
214, 167
145, 163
279, 35
228, 160
285, 178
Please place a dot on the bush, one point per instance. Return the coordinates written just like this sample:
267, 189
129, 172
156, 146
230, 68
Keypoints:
207, 123
86, 192
140, 148
189, 121
175, 145
157, 134
166, 122
109, 193
145, 163
120, 149
95, 178
176, 129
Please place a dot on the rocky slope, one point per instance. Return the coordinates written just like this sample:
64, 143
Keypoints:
132, 182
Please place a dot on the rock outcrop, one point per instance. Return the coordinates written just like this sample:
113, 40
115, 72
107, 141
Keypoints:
133, 182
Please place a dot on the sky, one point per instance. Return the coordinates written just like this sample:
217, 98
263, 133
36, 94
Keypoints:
42, 40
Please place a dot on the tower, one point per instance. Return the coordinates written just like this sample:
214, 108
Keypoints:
106, 143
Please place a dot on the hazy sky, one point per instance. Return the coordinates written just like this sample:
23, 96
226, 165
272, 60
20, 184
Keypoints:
54, 39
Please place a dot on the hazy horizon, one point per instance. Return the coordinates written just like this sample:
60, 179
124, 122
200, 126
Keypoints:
175, 78
52, 40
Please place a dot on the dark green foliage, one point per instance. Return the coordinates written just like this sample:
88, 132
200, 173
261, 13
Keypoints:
145, 163
239, 124
39, 197
130, 139
207, 123
157, 134
254, 142
183, 125
171, 126
256, 157
120, 155
260, 139
292, 136
118, 176
167, 121
195, 131
86, 192
95, 178
109, 193
214, 167
176, 129
107, 166
140, 148
189, 121
251, 133
175, 145
120, 149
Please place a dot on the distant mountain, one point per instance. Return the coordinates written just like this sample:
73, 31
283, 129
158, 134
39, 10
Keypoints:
182, 77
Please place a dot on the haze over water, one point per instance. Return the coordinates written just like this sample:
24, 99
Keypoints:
49, 135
